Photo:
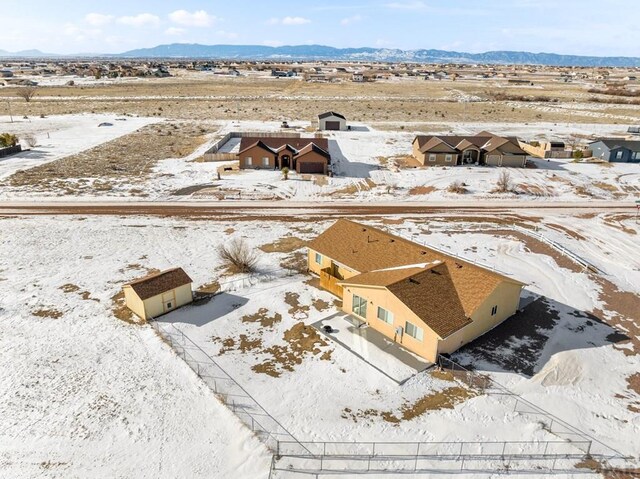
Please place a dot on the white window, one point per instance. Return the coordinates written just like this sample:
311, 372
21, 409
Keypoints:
432, 157
265, 161
359, 306
414, 331
448, 158
494, 310
619, 155
318, 258
384, 315
636, 155
248, 161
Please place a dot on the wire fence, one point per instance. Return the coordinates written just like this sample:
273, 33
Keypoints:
232, 394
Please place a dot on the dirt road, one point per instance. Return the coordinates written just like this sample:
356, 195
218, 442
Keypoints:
276, 209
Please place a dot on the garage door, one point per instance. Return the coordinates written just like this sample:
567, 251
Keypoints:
333, 125
311, 167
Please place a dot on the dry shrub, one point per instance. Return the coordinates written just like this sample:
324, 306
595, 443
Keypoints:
30, 140
504, 183
27, 93
238, 256
457, 187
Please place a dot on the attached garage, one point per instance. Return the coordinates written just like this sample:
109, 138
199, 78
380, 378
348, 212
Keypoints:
158, 293
312, 160
332, 121
312, 167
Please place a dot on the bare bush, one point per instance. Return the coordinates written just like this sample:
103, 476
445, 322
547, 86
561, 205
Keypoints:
238, 256
27, 93
30, 140
457, 187
504, 183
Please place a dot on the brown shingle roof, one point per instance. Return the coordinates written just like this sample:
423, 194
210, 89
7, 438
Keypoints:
383, 277
432, 296
158, 283
366, 249
276, 142
429, 292
484, 140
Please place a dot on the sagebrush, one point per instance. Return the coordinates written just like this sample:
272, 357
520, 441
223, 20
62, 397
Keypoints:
238, 256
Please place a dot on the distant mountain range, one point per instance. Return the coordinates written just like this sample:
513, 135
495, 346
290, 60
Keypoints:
321, 52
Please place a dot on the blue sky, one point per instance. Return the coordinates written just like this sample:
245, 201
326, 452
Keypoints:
585, 27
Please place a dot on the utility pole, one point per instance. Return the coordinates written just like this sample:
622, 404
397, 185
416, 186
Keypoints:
10, 115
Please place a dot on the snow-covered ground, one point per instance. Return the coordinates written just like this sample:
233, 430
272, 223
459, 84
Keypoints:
63, 135
88, 395
364, 162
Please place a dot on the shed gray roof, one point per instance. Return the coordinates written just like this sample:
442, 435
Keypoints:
330, 113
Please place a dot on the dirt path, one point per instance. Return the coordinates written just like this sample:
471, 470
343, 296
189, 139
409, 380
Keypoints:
285, 210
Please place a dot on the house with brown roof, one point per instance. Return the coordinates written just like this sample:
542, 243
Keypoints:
430, 302
482, 149
158, 293
304, 155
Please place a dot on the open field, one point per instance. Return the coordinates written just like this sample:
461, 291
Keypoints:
269, 99
109, 384
161, 162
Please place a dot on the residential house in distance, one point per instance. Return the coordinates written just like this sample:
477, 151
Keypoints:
428, 301
304, 155
358, 77
332, 121
482, 149
158, 293
616, 150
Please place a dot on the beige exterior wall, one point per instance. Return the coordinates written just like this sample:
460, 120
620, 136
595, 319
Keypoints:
157, 305
133, 302
381, 297
417, 154
326, 263
506, 297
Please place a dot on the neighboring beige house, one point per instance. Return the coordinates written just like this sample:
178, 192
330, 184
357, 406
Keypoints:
429, 302
158, 293
482, 149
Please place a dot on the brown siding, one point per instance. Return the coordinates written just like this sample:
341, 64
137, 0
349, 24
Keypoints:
257, 153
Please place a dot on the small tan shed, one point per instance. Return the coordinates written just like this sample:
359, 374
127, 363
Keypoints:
158, 293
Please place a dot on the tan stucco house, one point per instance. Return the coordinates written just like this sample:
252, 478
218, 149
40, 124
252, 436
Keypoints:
158, 293
482, 149
429, 302
304, 155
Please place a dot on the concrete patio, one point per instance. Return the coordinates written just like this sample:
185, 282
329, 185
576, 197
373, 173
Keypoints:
378, 351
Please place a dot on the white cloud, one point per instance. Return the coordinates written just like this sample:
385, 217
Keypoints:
199, 18
415, 5
350, 20
140, 20
98, 19
288, 21
174, 31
